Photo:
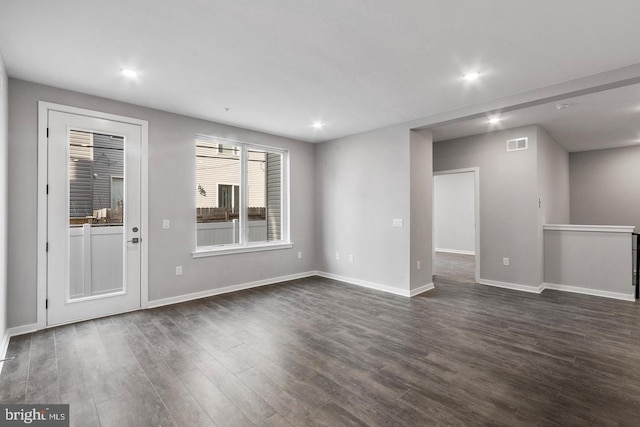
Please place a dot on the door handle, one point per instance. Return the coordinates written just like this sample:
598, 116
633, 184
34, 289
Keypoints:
134, 240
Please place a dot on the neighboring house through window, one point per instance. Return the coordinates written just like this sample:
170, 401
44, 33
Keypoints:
240, 192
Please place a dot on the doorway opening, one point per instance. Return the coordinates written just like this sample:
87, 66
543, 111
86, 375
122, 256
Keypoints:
456, 231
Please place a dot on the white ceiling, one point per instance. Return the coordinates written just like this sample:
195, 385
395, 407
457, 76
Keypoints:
606, 119
279, 65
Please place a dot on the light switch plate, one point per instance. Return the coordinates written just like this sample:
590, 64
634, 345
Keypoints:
166, 223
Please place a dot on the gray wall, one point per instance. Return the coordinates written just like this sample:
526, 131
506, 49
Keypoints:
171, 195
508, 201
553, 188
4, 80
605, 187
362, 184
592, 260
421, 224
454, 212
553, 180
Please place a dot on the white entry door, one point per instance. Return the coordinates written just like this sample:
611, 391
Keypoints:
93, 217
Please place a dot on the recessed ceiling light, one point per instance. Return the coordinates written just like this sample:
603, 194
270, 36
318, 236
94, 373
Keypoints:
129, 72
317, 125
494, 120
471, 76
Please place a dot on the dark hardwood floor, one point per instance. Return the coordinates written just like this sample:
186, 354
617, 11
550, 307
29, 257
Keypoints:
320, 352
457, 267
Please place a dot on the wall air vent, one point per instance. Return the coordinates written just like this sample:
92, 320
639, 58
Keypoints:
517, 144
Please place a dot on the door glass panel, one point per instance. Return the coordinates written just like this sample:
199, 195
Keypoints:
96, 214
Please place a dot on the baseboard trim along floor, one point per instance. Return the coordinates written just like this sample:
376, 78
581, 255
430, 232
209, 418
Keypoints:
227, 289
376, 286
562, 288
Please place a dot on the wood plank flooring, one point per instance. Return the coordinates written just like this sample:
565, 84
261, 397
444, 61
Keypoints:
323, 353
457, 267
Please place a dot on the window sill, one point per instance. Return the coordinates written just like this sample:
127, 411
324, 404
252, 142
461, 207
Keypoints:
208, 251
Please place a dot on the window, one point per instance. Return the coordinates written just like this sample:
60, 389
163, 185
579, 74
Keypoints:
241, 197
229, 196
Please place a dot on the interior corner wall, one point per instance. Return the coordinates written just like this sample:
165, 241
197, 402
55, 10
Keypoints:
553, 180
171, 195
4, 144
508, 201
421, 164
362, 184
604, 186
553, 188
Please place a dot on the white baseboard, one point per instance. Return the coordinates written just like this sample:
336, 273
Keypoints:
421, 289
563, 288
12, 332
227, 289
24, 329
455, 251
4, 346
514, 286
588, 291
365, 284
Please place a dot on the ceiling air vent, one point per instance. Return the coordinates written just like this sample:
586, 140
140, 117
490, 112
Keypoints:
517, 144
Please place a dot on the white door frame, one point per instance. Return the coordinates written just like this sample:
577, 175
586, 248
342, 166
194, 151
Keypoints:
476, 175
43, 172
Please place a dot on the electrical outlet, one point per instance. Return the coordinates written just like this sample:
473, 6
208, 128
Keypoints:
419, 267
398, 222
178, 270
299, 255
350, 257
505, 261
166, 223
337, 256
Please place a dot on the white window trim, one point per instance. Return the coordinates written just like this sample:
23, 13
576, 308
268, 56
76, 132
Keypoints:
228, 249
208, 251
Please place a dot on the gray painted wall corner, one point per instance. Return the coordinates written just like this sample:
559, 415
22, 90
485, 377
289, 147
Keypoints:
553, 188
421, 202
362, 184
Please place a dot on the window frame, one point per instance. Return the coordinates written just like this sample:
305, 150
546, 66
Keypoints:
245, 245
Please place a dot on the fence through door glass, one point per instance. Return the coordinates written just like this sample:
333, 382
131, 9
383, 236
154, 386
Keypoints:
96, 214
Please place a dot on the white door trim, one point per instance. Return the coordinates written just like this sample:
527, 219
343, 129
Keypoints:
43, 113
476, 174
